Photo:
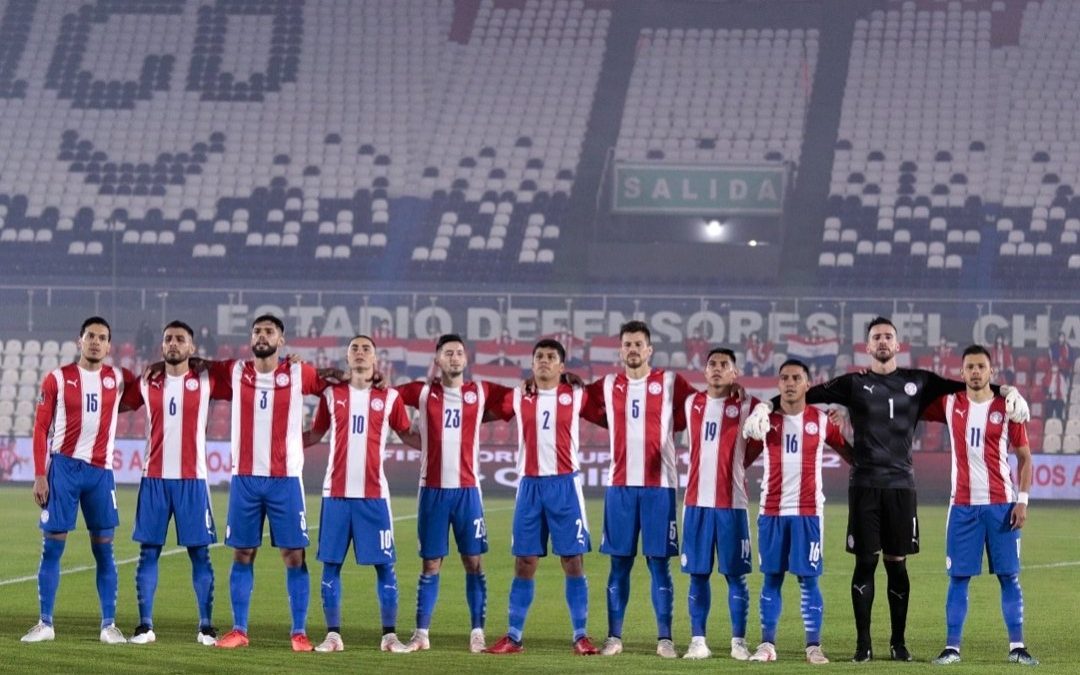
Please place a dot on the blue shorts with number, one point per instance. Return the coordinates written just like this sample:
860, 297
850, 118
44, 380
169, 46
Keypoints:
443, 508
649, 511
973, 529
550, 505
185, 499
74, 483
364, 522
253, 499
724, 533
790, 544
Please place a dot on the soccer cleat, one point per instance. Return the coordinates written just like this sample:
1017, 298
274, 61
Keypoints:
331, 643
815, 656
207, 636
863, 654
143, 635
946, 657
301, 643
419, 641
766, 651
41, 632
233, 639
584, 647
739, 651
477, 641
611, 646
697, 649
111, 635
665, 649
1020, 655
391, 643
899, 653
505, 645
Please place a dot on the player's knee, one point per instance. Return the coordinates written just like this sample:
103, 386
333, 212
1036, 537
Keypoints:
101, 536
432, 566
573, 565
865, 565
59, 536
245, 556
293, 557
474, 564
894, 558
525, 566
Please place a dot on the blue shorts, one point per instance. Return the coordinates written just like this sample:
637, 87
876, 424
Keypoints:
186, 499
648, 510
255, 498
723, 532
365, 522
74, 483
550, 505
443, 508
790, 544
972, 529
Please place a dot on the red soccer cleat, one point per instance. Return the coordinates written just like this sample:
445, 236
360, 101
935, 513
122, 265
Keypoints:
233, 639
505, 645
585, 647
301, 643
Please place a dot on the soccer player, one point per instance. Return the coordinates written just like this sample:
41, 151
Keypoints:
984, 510
791, 521
715, 523
638, 406
451, 411
356, 497
174, 478
267, 465
549, 499
885, 405
74, 440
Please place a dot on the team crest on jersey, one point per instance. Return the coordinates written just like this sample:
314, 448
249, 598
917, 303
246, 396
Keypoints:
995, 417
108, 382
191, 385
948, 563
732, 411
910, 389
565, 399
655, 388
470, 397
812, 428
376, 404
282, 380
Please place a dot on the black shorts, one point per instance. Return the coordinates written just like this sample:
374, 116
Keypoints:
882, 519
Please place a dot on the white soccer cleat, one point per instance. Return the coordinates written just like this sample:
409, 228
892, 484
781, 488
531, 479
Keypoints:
739, 650
207, 637
111, 635
756, 426
477, 641
419, 641
815, 656
143, 635
391, 643
766, 651
332, 643
611, 646
697, 649
1016, 407
665, 649
41, 632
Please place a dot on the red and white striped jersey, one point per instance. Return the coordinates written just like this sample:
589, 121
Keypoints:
980, 435
717, 476
76, 414
177, 408
791, 483
641, 419
359, 421
450, 421
268, 416
548, 424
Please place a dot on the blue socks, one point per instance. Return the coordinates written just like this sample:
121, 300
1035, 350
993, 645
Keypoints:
331, 595
202, 579
738, 599
663, 596
577, 599
771, 605
1012, 606
956, 606
386, 580
813, 607
521, 596
427, 592
699, 602
241, 583
298, 585
106, 577
49, 576
146, 580
476, 596
618, 592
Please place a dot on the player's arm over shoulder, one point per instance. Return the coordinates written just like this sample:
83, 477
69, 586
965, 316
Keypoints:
837, 390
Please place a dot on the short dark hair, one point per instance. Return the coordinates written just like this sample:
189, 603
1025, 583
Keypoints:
177, 323
636, 327
272, 319
722, 350
95, 320
797, 363
973, 350
366, 337
446, 339
551, 343
880, 321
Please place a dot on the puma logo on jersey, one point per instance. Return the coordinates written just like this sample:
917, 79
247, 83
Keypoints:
156, 384
247, 377
342, 403
869, 387
860, 589
959, 412
697, 408
434, 394
73, 383
620, 387
899, 595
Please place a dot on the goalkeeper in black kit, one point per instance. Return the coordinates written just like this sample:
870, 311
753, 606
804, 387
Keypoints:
885, 404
